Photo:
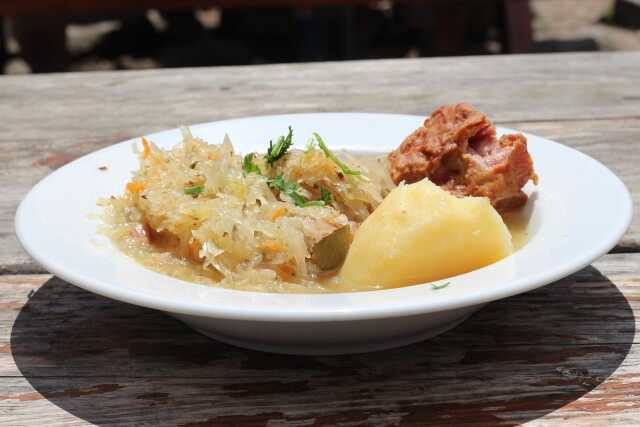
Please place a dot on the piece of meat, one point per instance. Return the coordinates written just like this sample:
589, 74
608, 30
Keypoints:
457, 149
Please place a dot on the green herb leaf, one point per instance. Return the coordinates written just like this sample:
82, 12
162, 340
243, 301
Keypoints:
326, 196
303, 203
343, 166
291, 189
311, 145
275, 152
194, 190
279, 183
436, 286
248, 166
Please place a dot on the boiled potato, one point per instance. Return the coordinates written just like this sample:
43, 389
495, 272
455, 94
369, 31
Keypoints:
421, 233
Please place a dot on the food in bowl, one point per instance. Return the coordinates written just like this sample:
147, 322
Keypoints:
286, 220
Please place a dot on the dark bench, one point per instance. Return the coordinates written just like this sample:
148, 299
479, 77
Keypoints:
515, 15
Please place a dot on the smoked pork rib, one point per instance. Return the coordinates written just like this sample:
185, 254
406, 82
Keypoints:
457, 149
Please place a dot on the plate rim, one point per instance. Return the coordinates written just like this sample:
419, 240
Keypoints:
121, 293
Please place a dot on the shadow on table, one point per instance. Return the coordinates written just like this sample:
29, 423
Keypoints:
516, 360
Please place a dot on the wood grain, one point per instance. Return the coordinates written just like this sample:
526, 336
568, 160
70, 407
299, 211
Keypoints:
564, 354
587, 101
569, 351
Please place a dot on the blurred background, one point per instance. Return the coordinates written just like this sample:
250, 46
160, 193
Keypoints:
76, 35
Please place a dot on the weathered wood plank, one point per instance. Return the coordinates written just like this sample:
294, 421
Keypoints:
513, 87
566, 352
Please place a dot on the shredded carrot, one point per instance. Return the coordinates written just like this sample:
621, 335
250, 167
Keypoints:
286, 271
278, 212
147, 147
271, 245
136, 187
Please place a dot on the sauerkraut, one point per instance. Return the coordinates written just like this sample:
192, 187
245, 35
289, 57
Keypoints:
204, 213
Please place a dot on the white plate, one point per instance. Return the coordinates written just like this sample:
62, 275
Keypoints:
578, 212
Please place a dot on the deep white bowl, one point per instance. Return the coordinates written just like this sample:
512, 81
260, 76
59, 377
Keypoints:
578, 212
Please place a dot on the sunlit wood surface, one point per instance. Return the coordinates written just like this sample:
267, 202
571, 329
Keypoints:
566, 354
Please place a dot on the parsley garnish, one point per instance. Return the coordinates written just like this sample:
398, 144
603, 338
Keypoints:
279, 183
291, 189
248, 166
436, 286
311, 144
275, 152
326, 196
343, 166
194, 190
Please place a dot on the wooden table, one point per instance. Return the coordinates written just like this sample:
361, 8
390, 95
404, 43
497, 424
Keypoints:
566, 353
